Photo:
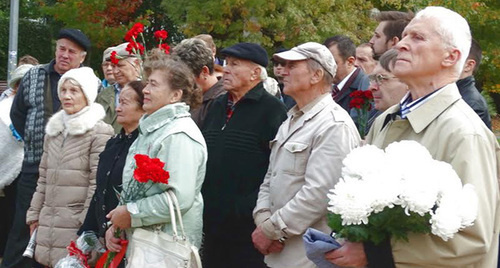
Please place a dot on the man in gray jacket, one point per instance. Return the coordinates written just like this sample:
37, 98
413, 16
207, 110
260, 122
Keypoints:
306, 158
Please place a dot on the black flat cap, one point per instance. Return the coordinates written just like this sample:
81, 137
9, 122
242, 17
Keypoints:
76, 36
247, 51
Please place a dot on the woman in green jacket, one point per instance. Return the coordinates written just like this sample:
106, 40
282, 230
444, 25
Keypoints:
166, 132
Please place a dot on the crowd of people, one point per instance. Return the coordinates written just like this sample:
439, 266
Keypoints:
251, 159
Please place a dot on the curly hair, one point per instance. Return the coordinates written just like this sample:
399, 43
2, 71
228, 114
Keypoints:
196, 54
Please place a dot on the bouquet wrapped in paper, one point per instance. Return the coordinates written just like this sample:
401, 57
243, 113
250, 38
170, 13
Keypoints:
402, 190
79, 251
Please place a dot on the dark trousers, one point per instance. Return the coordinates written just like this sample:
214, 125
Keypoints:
218, 252
19, 234
8, 208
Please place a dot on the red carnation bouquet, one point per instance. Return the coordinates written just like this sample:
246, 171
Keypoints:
148, 171
362, 102
138, 48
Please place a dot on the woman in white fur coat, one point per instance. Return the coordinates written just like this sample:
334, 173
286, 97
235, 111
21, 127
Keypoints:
75, 136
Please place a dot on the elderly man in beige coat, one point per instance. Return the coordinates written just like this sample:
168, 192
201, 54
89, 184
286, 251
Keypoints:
430, 58
306, 158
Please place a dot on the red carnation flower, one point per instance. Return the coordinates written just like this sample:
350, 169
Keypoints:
150, 170
114, 58
134, 48
134, 32
165, 47
161, 35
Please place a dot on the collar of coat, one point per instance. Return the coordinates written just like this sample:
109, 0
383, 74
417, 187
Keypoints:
253, 94
421, 117
163, 116
77, 125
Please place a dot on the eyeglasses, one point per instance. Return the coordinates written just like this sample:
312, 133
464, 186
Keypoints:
379, 79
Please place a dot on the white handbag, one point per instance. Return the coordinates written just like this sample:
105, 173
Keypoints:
157, 249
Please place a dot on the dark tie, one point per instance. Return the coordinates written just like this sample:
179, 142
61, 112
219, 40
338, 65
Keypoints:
335, 91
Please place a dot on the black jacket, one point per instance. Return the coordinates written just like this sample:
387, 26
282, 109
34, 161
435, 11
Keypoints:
238, 157
470, 94
108, 180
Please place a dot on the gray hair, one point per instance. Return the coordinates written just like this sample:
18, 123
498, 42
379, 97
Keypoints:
196, 54
388, 59
453, 30
263, 73
327, 77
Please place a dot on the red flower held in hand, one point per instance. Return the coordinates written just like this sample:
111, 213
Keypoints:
150, 170
161, 35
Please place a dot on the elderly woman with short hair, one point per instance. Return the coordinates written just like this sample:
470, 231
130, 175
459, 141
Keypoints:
166, 132
75, 136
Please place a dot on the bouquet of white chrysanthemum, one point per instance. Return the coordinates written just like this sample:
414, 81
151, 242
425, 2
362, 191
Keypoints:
400, 190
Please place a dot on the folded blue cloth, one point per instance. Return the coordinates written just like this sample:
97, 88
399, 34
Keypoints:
317, 244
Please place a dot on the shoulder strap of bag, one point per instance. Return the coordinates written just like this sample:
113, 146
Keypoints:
171, 197
178, 211
172, 215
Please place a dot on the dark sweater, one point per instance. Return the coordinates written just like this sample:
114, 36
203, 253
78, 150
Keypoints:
109, 181
238, 157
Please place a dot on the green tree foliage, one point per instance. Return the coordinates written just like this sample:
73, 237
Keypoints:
484, 20
105, 22
272, 23
39, 45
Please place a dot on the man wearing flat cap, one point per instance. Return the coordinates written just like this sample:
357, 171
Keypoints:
306, 158
35, 102
237, 129
107, 69
127, 69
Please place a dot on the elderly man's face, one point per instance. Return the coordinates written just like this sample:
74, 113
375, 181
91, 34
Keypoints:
420, 52
238, 74
68, 55
127, 70
296, 77
107, 69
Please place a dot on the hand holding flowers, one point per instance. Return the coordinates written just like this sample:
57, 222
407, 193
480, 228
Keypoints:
147, 172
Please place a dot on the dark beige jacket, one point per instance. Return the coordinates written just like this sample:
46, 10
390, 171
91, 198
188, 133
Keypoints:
67, 180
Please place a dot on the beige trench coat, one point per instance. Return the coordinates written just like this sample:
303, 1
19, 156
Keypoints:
305, 163
66, 184
453, 133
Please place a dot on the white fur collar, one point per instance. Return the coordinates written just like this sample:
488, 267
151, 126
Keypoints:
77, 125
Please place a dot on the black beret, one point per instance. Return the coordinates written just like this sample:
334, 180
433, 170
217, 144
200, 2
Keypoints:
76, 36
247, 51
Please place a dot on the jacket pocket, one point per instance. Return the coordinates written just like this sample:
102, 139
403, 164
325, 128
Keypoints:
295, 158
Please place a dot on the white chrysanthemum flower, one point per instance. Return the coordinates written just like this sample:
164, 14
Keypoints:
362, 161
446, 220
469, 204
419, 192
407, 155
385, 190
447, 178
351, 200
457, 210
